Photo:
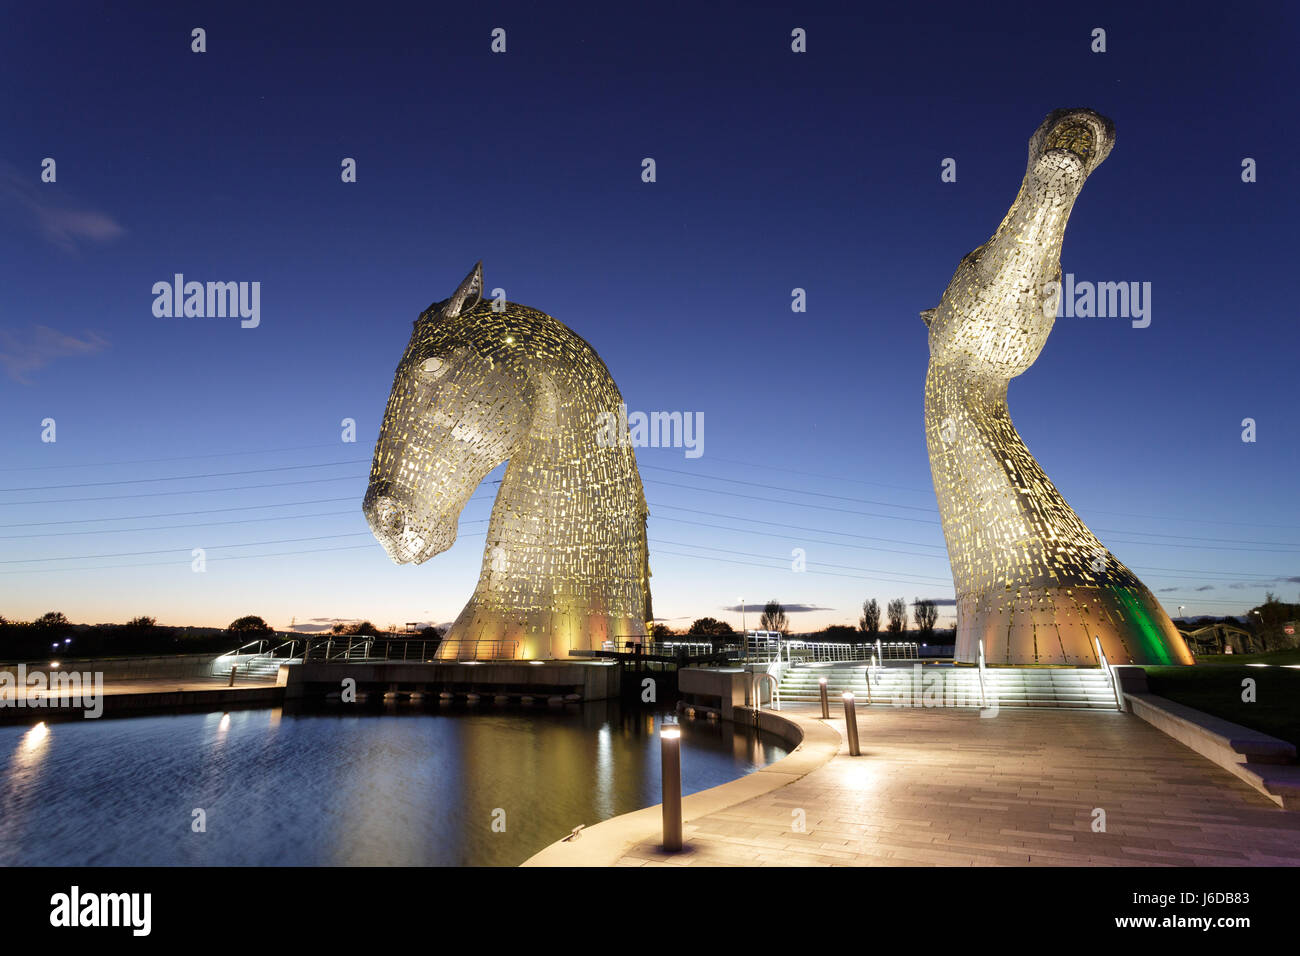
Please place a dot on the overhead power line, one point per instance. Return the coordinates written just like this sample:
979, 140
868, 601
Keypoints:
154, 461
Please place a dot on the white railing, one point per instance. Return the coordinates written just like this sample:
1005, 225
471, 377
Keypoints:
984, 697
1110, 674
475, 650
803, 651
758, 692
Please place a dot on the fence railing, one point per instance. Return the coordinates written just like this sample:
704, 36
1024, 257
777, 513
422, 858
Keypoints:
802, 651
674, 648
338, 648
455, 650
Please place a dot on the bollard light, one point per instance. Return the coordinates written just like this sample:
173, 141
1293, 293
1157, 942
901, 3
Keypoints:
851, 723
826, 705
232, 675
670, 738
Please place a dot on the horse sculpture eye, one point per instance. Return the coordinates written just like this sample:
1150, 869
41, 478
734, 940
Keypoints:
431, 366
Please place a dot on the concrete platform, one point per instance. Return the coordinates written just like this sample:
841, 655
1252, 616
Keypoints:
947, 787
148, 695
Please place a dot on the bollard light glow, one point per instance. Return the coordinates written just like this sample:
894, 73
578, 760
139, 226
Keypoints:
1031, 580
565, 566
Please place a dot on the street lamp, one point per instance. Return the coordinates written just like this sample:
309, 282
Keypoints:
1180, 612
670, 745
744, 638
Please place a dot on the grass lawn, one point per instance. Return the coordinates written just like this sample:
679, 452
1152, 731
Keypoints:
1214, 686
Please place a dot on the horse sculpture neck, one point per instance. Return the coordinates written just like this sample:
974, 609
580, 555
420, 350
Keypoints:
565, 564
1033, 583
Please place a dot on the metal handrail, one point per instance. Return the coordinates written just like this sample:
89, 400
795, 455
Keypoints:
260, 654
496, 649
758, 694
984, 697
1110, 673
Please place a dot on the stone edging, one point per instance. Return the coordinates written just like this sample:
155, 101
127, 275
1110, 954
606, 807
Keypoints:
1257, 758
605, 843
1263, 761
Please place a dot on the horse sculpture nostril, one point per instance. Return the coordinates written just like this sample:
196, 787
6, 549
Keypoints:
389, 515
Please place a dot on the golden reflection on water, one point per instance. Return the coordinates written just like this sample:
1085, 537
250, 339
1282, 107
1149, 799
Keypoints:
32, 747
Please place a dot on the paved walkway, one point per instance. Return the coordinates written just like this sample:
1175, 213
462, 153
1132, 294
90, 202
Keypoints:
946, 787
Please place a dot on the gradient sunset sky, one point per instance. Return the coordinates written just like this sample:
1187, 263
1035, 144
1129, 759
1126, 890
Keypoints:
775, 171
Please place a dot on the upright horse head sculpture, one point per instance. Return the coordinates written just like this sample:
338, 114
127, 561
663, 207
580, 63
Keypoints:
565, 565
1032, 581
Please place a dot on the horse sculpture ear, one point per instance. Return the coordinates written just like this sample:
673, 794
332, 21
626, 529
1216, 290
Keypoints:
473, 285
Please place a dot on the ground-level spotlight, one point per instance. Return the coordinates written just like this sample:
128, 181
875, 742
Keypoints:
670, 738
826, 705
851, 723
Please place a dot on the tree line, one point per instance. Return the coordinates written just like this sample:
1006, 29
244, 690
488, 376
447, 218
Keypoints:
925, 614
52, 635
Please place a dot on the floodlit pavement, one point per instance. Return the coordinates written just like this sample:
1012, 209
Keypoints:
947, 787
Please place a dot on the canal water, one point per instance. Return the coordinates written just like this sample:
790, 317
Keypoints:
402, 788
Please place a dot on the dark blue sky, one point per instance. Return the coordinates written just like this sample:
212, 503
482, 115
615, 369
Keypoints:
774, 171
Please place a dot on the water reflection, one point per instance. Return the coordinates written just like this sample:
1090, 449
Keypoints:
398, 786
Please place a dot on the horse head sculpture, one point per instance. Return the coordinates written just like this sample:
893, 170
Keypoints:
565, 565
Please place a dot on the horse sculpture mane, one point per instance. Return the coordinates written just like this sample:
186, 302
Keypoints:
565, 565
1033, 582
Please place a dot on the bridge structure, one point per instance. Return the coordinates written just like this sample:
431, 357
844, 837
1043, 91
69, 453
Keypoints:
1221, 638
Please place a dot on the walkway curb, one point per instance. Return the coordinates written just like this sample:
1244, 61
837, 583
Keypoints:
604, 844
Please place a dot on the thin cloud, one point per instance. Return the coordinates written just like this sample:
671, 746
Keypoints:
788, 608
26, 352
58, 218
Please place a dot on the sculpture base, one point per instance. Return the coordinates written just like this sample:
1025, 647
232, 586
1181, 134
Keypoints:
1030, 624
481, 634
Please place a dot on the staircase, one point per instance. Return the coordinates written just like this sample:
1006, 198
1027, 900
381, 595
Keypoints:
251, 667
1076, 688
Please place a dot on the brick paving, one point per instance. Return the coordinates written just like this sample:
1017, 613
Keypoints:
946, 787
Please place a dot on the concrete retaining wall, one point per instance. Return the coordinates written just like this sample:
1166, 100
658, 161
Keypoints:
316, 679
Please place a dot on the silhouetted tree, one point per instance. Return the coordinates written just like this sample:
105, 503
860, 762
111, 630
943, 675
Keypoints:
50, 620
710, 627
1269, 621
839, 633
897, 616
773, 618
250, 625
141, 623
870, 620
925, 614
660, 631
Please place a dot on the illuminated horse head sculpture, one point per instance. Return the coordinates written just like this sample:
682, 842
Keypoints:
565, 566
1032, 581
